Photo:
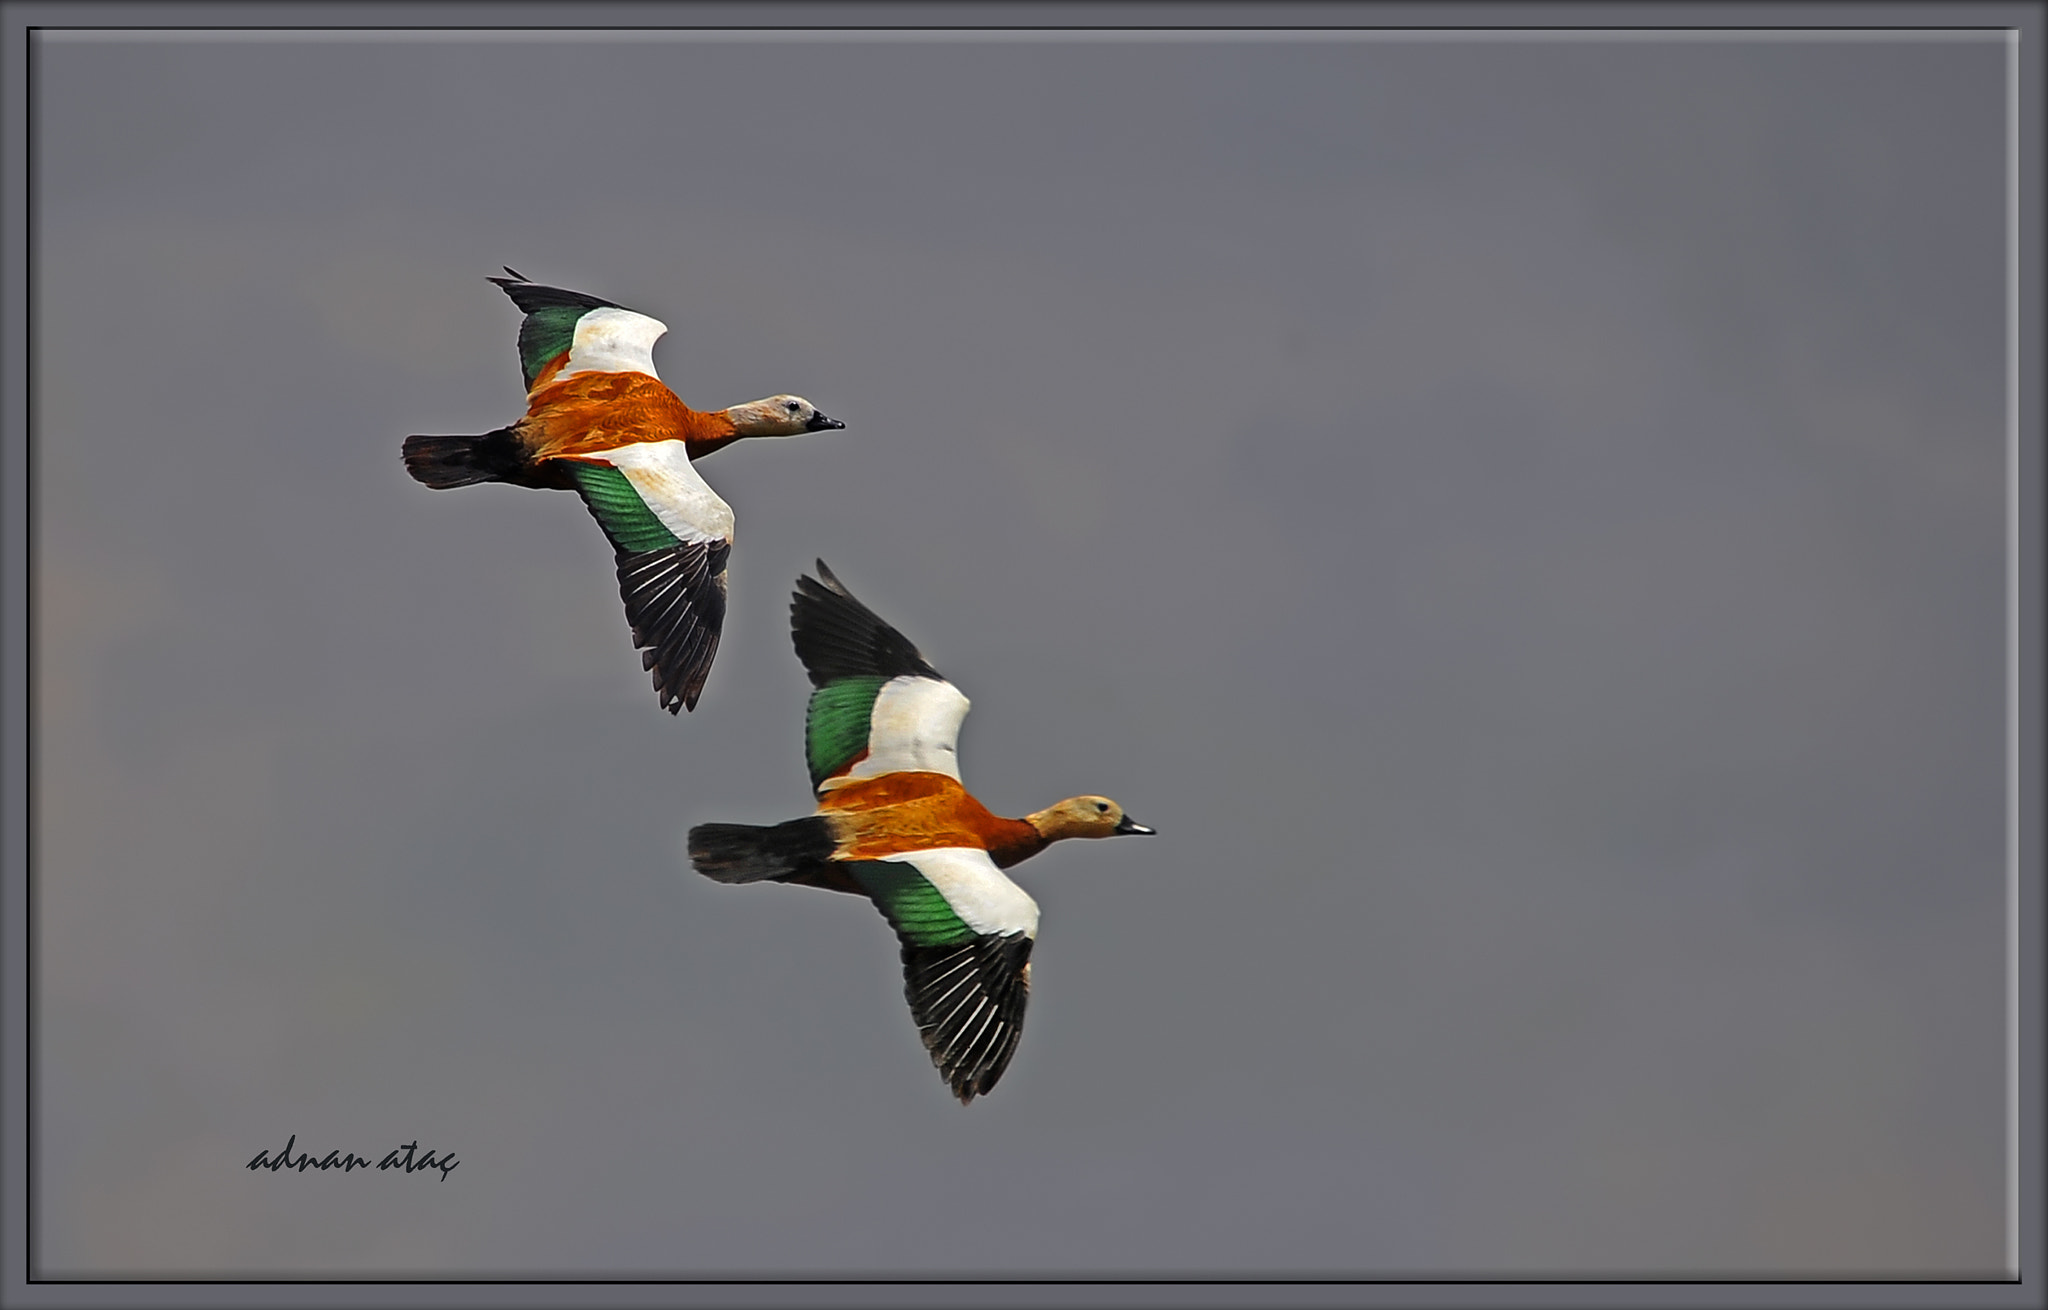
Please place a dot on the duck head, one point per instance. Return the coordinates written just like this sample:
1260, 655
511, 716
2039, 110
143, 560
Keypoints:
779, 416
1087, 816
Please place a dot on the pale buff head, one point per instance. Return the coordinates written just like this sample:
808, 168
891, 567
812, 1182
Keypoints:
1086, 816
780, 416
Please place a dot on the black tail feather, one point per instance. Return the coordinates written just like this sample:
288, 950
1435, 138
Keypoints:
742, 852
443, 462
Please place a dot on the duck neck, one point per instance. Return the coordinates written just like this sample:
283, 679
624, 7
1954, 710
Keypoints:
711, 432
1012, 841
702, 446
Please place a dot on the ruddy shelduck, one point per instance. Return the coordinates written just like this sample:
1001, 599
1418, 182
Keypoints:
894, 824
599, 422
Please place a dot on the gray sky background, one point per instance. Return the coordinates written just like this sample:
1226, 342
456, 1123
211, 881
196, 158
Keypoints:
1525, 521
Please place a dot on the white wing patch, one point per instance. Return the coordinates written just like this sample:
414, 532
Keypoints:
663, 475
915, 726
984, 899
612, 340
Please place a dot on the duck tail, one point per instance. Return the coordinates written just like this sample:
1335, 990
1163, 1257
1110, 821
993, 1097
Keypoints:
443, 462
741, 852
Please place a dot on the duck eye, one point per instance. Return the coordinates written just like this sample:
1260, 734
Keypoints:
790, 406
1101, 807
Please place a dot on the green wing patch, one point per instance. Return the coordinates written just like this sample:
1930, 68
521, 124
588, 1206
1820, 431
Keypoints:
545, 334
836, 724
625, 518
913, 907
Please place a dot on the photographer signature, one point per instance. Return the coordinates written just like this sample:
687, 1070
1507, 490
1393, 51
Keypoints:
406, 1157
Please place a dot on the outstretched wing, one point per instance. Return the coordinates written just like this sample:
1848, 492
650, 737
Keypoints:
671, 534
966, 933
877, 707
569, 332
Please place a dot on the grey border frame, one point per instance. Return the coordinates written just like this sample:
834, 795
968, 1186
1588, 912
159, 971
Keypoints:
2026, 23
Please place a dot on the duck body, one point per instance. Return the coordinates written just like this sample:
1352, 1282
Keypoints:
601, 423
915, 810
582, 415
894, 823
867, 819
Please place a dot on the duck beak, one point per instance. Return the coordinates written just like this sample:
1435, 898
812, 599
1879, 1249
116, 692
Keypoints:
1126, 826
819, 423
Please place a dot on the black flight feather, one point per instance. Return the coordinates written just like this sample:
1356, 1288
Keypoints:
838, 637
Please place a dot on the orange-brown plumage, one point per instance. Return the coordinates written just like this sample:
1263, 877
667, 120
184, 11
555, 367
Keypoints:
918, 811
587, 412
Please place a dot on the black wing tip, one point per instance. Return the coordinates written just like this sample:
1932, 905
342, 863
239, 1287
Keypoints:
825, 587
967, 1088
970, 1047
681, 685
529, 295
675, 608
836, 636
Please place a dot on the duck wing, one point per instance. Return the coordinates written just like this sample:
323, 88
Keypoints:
569, 332
966, 933
671, 535
877, 706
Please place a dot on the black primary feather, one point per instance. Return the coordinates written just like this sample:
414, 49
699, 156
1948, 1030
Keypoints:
838, 637
530, 296
968, 999
675, 604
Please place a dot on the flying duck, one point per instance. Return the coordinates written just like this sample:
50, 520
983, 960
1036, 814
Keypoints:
894, 824
599, 422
